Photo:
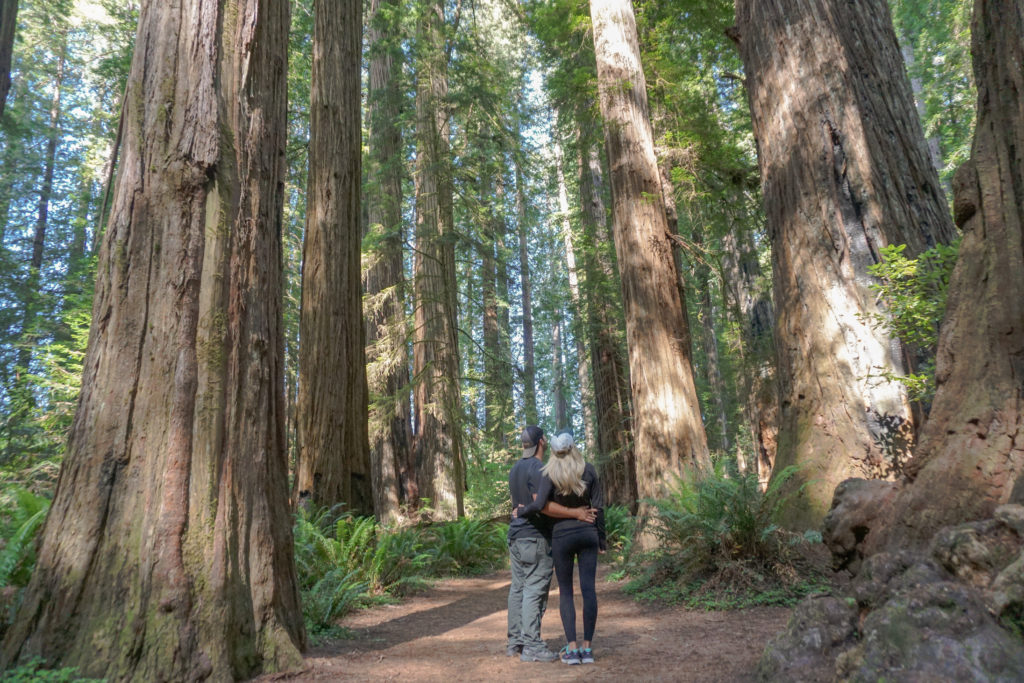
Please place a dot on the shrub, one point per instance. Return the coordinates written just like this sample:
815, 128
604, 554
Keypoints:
467, 545
720, 548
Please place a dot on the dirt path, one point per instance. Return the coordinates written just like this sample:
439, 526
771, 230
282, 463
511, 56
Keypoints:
456, 632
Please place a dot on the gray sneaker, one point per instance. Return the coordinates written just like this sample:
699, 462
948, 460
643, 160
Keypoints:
514, 650
538, 654
586, 656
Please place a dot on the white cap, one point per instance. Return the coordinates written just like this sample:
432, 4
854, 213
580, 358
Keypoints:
562, 443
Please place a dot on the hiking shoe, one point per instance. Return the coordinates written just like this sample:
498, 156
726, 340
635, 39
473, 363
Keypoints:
569, 656
537, 654
586, 656
513, 650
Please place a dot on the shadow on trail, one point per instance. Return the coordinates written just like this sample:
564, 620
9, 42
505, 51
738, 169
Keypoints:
474, 605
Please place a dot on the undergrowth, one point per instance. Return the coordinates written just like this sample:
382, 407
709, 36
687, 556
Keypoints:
347, 562
718, 547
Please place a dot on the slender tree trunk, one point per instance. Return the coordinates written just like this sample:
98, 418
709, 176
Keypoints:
668, 432
394, 473
529, 366
970, 457
494, 400
334, 458
582, 359
561, 405
42, 213
8, 27
616, 459
917, 89
845, 171
437, 409
714, 367
167, 553
753, 310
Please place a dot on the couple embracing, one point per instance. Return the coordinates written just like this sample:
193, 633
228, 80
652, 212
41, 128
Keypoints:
558, 520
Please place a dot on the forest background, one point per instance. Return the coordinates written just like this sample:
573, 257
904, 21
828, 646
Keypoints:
532, 296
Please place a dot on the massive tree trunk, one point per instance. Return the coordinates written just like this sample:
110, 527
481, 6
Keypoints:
334, 456
582, 359
845, 171
615, 458
8, 26
497, 382
970, 455
668, 432
437, 409
167, 553
393, 473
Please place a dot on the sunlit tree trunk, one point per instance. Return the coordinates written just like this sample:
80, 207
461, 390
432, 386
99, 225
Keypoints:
582, 358
970, 456
529, 364
753, 310
561, 405
334, 458
167, 553
845, 171
668, 433
42, 210
8, 26
394, 474
436, 443
616, 461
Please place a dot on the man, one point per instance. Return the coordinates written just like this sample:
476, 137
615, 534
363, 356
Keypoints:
529, 543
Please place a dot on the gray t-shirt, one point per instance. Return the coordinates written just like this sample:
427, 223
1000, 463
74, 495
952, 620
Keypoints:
523, 482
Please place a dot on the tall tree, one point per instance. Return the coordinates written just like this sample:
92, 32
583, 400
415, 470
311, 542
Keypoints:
845, 171
167, 553
615, 458
394, 474
668, 431
334, 457
8, 28
969, 458
437, 446
526, 288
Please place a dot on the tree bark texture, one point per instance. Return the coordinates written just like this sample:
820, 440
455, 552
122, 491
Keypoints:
167, 553
615, 458
334, 457
971, 451
845, 171
497, 380
8, 29
390, 431
668, 432
437, 401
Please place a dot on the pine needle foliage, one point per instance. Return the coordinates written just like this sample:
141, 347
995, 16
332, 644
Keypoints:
720, 548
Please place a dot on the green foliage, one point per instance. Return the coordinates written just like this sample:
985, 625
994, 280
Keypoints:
347, 562
913, 292
618, 527
719, 548
32, 671
467, 546
22, 513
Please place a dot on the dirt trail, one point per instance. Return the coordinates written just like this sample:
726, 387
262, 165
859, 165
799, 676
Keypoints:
456, 632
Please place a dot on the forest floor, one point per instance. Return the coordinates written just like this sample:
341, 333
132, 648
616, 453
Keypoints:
456, 631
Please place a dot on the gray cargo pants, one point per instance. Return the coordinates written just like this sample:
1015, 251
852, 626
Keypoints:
530, 559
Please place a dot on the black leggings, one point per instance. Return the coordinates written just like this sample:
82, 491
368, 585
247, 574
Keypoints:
581, 544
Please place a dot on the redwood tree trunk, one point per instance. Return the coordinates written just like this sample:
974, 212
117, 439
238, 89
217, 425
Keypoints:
8, 26
970, 455
167, 553
437, 408
334, 456
668, 432
845, 171
615, 457
529, 366
393, 473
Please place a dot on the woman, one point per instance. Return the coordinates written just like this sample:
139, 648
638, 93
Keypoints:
571, 482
